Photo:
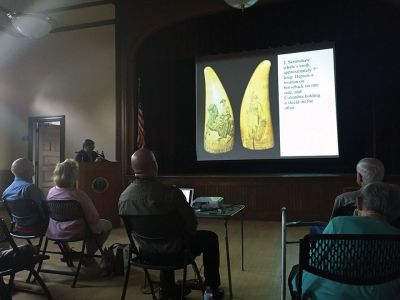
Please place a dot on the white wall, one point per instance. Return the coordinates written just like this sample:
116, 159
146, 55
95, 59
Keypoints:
68, 73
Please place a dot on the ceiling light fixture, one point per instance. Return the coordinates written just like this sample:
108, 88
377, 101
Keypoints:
241, 4
31, 25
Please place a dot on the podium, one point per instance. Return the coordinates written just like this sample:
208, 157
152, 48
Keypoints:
102, 181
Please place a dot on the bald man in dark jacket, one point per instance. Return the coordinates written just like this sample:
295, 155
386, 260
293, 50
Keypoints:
147, 196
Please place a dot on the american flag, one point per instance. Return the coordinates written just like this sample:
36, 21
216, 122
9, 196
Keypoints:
140, 127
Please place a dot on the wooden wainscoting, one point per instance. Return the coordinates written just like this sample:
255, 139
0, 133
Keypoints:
306, 196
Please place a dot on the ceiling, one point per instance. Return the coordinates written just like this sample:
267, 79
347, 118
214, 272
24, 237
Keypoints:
66, 14
77, 14
38, 5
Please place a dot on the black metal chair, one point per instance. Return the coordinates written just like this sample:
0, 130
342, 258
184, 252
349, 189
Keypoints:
356, 259
19, 261
65, 211
149, 233
27, 211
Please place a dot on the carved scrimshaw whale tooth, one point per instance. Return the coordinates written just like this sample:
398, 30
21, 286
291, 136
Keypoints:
219, 131
255, 116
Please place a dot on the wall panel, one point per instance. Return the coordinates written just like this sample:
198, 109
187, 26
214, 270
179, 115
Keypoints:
305, 197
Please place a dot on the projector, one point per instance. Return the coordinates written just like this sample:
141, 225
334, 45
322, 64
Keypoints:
207, 202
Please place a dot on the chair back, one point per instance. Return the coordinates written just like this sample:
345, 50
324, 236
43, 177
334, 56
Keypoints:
24, 211
357, 259
155, 234
163, 246
155, 226
68, 210
64, 210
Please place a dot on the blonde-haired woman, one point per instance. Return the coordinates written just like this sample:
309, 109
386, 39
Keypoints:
65, 177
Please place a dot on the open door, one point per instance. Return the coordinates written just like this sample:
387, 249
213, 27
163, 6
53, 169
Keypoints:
46, 148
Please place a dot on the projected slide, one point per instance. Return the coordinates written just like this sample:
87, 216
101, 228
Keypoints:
266, 105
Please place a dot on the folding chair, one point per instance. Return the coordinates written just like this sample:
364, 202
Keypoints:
356, 259
24, 211
65, 211
285, 242
149, 232
20, 261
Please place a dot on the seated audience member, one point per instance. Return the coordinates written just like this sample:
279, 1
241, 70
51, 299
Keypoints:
23, 188
374, 205
147, 196
87, 154
65, 177
369, 170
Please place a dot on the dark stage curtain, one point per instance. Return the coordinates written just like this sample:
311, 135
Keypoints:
366, 40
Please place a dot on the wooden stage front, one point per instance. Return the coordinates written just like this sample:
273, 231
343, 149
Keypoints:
306, 196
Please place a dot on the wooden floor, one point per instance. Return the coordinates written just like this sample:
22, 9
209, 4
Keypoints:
259, 280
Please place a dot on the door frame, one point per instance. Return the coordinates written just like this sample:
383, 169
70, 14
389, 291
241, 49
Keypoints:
33, 123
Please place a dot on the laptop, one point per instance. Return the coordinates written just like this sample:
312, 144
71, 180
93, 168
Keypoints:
188, 192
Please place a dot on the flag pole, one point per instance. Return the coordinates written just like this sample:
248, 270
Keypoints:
140, 142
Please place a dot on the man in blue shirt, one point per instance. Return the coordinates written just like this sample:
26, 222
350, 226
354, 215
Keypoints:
23, 188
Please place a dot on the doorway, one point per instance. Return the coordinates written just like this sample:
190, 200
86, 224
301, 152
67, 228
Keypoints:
46, 148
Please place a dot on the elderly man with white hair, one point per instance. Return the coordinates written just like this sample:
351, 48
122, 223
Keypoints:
23, 188
369, 170
376, 203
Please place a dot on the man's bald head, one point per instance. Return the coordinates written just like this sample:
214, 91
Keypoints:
144, 163
22, 168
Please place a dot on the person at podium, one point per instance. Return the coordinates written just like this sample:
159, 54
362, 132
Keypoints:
87, 153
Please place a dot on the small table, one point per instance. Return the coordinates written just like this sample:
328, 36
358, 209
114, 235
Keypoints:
226, 212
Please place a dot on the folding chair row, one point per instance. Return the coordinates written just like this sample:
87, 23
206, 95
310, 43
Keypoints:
58, 210
137, 227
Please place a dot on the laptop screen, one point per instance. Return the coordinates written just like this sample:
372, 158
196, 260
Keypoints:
188, 192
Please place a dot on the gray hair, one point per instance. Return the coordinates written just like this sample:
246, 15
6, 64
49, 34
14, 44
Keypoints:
66, 173
371, 170
381, 197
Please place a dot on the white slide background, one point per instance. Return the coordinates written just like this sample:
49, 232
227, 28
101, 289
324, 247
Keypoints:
307, 104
